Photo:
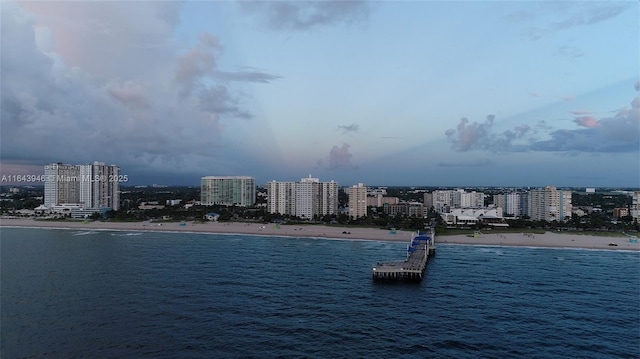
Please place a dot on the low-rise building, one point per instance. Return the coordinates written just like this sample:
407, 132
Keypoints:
465, 217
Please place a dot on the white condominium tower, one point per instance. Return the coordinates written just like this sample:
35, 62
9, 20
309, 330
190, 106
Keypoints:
228, 191
305, 199
357, 200
550, 204
92, 186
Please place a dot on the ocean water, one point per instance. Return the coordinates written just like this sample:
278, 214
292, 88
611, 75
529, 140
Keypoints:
106, 294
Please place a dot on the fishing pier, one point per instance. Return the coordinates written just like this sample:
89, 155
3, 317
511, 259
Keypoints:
412, 269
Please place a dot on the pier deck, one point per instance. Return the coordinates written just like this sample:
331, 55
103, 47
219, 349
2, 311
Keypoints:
412, 269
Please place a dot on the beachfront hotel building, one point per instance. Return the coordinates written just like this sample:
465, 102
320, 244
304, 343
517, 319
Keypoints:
306, 199
228, 191
550, 204
357, 200
89, 187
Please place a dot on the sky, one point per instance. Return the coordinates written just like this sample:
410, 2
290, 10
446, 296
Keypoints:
402, 93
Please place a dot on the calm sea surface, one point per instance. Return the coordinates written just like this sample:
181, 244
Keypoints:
104, 294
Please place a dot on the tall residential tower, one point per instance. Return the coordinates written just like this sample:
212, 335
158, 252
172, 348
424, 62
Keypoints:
228, 191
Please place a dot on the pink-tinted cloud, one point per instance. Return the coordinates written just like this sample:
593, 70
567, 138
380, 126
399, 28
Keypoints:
587, 121
568, 98
130, 94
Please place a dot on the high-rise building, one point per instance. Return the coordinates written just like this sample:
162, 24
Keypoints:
61, 184
635, 205
305, 196
550, 204
510, 202
279, 195
228, 191
305, 199
327, 198
357, 200
428, 200
443, 201
93, 186
100, 186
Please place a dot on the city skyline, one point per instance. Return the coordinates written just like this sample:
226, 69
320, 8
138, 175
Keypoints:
386, 93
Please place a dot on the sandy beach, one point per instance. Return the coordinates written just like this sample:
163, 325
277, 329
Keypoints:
548, 239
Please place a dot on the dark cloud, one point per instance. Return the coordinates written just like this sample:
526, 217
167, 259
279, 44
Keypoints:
65, 98
218, 100
247, 76
340, 157
305, 15
352, 128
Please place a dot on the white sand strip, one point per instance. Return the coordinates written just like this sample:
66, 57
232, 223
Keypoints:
548, 239
223, 227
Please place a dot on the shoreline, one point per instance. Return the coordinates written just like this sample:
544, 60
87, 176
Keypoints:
546, 240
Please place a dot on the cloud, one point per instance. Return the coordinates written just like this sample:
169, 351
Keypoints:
617, 134
580, 112
247, 76
569, 52
479, 136
197, 63
129, 93
553, 17
103, 81
340, 157
353, 128
306, 15
197, 68
587, 121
